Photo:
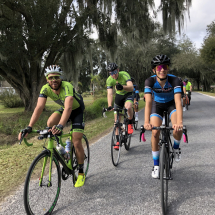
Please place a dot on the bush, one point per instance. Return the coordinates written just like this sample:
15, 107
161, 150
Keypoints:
10, 99
95, 110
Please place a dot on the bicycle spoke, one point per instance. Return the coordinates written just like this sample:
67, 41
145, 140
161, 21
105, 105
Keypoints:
115, 153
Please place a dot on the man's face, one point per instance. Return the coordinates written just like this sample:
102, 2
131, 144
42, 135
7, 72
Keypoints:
161, 71
114, 74
54, 80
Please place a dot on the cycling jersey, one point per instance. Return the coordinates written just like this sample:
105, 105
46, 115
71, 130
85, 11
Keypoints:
122, 79
65, 91
188, 86
136, 92
163, 94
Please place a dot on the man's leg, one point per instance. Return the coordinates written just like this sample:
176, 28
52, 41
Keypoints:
54, 119
128, 106
136, 109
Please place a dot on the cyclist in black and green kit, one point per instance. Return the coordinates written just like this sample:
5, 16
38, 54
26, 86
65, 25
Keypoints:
121, 80
72, 108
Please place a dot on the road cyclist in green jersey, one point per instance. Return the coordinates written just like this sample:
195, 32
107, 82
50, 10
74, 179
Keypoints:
72, 109
188, 88
121, 81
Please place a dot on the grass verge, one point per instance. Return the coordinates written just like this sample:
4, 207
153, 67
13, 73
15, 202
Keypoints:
15, 160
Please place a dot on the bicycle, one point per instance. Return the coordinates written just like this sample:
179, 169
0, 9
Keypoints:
187, 100
166, 157
122, 130
135, 123
43, 181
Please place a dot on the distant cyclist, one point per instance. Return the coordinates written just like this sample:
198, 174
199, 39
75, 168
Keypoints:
136, 98
121, 81
167, 97
183, 92
188, 89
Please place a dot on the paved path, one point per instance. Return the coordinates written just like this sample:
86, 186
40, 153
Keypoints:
129, 188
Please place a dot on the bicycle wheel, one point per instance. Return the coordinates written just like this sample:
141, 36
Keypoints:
127, 138
86, 148
135, 125
115, 154
164, 176
42, 198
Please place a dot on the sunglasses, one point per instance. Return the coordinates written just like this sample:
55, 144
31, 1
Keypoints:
160, 67
113, 72
54, 78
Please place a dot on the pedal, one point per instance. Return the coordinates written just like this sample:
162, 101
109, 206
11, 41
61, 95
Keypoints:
65, 176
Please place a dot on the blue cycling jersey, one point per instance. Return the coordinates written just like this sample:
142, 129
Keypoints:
163, 94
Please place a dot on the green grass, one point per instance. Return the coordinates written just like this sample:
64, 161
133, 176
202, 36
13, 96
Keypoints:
207, 93
16, 159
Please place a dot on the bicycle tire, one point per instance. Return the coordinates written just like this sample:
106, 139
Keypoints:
135, 125
36, 204
127, 138
164, 175
86, 147
115, 154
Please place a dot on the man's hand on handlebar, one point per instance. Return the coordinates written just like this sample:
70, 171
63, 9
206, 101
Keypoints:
148, 126
25, 131
110, 108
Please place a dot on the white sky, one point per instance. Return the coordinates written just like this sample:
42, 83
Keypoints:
201, 14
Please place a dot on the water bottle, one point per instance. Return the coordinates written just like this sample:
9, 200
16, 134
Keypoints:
68, 148
123, 129
61, 149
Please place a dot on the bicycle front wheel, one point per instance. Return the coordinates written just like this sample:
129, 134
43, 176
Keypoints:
135, 125
40, 196
115, 149
127, 138
86, 148
164, 178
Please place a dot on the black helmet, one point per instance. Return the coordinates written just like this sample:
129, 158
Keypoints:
185, 80
132, 79
160, 59
112, 66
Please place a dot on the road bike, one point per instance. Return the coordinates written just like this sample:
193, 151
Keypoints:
135, 123
166, 157
120, 129
43, 181
187, 100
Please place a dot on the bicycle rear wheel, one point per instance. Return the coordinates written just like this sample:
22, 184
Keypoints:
164, 178
135, 125
86, 148
115, 153
42, 198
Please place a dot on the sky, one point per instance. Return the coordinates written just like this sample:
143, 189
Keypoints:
201, 14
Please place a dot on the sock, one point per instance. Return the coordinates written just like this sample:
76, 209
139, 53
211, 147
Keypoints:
117, 138
136, 114
176, 143
155, 156
130, 121
81, 168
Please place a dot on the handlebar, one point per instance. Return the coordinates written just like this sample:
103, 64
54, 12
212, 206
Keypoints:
115, 109
162, 127
43, 134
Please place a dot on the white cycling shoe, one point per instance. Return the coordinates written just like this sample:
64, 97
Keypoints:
155, 172
177, 154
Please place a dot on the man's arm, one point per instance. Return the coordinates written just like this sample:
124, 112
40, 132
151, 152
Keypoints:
191, 88
37, 111
148, 107
110, 96
67, 110
177, 98
129, 87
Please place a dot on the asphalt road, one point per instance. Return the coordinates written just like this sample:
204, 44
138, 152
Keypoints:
129, 188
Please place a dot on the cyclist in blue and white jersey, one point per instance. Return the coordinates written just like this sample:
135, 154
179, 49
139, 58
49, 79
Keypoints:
166, 89
136, 98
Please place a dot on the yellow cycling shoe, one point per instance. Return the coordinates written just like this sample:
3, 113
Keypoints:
80, 181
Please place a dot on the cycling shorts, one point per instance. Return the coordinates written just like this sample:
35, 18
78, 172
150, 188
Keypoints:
76, 118
159, 108
121, 99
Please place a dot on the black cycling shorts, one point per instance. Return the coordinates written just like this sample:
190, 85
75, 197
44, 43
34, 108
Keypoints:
121, 99
77, 119
159, 108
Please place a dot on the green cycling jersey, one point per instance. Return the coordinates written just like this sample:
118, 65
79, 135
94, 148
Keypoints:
65, 91
188, 86
122, 79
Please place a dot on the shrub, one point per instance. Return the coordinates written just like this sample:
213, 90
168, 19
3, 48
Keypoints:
95, 110
10, 99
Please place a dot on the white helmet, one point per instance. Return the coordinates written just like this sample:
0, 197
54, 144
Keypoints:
53, 69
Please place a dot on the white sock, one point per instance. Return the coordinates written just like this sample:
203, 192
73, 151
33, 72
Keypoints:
136, 114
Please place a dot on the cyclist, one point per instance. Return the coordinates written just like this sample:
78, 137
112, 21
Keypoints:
72, 108
121, 80
183, 92
136, 98
188, 89
166, 89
